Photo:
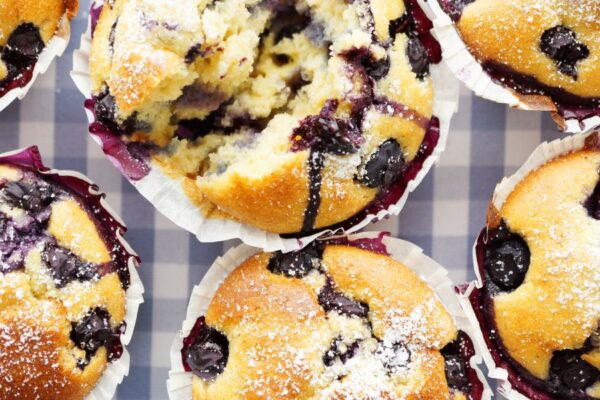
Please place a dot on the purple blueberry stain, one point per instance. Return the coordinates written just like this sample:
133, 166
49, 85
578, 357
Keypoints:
205, 351
323, 134
561, 45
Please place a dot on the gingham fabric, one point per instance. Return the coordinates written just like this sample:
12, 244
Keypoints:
487, 141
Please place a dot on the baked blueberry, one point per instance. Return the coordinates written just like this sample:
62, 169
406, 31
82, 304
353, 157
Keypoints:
507, 262
331, 300
296, 264
560, 44
385, 166
206, 356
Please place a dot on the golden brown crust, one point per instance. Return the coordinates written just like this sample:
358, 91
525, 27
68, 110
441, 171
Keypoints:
556, 307
489, 26
278, 331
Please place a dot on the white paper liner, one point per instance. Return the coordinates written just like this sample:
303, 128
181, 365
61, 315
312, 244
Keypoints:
179, 384
54, 48
116, 371
466, 68
168, 197
544, 153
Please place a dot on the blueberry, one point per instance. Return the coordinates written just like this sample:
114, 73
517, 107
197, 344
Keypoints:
394, 356
384, 167
207, 356
30, 197
592, 204
93, 331
23, 47
507, 262
456, 372
65, 267
331, 300
296, 264
327, 134
418, 57
455, 365
363, 58
573, 372
560, 44
193, 53
339, 351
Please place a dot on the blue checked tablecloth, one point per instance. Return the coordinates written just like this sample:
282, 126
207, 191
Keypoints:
487, 141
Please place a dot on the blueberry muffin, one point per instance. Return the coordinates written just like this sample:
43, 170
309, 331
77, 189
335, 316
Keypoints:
289, 116
540, 261
26, 27
63, 277
332, 321
537, 47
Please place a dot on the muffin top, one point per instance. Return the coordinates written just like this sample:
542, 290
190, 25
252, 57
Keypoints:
542, 264
25, 29
328, 322
63, 276
549, 47
290, 116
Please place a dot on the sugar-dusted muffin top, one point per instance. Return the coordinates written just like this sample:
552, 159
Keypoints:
542, 277
25, 29
328, 322
290, 116
63, 277
553, 44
